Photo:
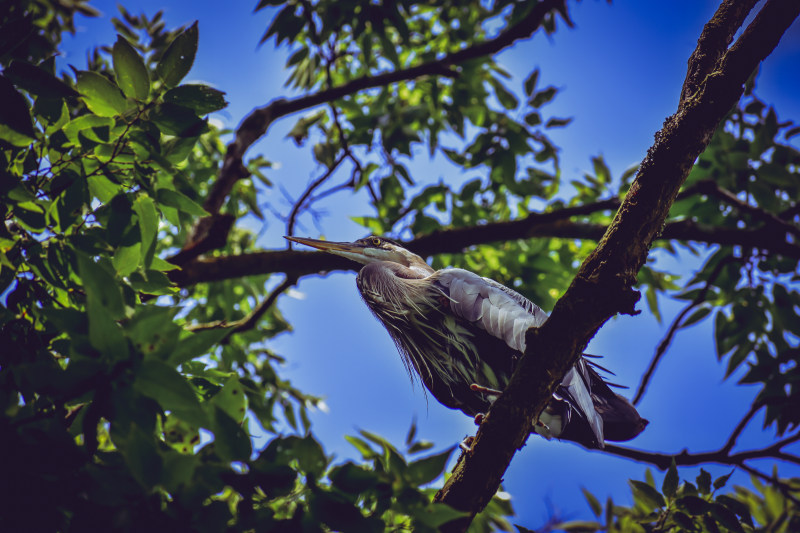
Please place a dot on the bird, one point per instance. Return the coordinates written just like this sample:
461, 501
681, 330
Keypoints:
462, 335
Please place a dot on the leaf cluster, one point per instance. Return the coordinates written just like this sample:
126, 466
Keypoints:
701, 507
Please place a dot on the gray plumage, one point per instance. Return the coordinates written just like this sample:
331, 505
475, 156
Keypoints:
454, 329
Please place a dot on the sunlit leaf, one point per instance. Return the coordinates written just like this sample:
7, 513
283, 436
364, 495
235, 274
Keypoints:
132, 75
102, 96
177, 61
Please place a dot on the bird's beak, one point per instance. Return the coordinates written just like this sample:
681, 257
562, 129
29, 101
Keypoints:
352, 251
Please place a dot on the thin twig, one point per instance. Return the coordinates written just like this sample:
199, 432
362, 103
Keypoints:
734, 436
676, 325
252, 318
786, 489
310, 189
775, 222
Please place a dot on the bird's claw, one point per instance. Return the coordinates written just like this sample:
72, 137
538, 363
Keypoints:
466, 444
486, 390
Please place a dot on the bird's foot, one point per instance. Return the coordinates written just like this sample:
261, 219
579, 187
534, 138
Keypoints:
486, 390
479, 419
466, 444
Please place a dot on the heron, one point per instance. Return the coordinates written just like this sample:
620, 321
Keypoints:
462, 335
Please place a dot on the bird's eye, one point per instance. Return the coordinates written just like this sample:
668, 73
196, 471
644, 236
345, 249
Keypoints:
376, 241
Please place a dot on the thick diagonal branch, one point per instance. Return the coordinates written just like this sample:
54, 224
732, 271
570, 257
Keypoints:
717, 35
603, 284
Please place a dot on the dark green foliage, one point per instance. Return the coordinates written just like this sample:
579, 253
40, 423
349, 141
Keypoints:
127, 401
116, 411
697, 506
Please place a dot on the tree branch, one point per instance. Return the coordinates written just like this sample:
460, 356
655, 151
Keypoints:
775, 222
721, 456
603, 285
252, 318
455, 240
717, 35
676, 324
310, 189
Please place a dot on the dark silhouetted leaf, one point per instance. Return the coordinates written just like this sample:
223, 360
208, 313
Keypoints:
200, 98
427, 469
231, 442
37, 81
164, 384
177, 120
16, 125
670, 485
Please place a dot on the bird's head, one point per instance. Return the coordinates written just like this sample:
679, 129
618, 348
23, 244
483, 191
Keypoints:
368, 250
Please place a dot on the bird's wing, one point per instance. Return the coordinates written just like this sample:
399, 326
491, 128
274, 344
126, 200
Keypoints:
575, 388
507, 315
496, 309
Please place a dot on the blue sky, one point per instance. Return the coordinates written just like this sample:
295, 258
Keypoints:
620, 72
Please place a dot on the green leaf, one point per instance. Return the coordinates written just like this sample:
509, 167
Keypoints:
104, 333
86, 122
352, 478
426, 470
704, 482
231, 399
726, 517
201, 98
231, 442
177, 60
557, 122
721, 481
165, 385
151, 281
102, 97
181, 435
196, 344
644, 493
145, 208
504, 96
126, 259
530, 82
597, 509
310, 455
177, 120
696, 316
102, 286
181, 202
362, 446
131, 72
142, 457
153, 331
670, 485
694, 505
178, 470
533, 118
543, 96
437, 514
16, 125
37, 81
